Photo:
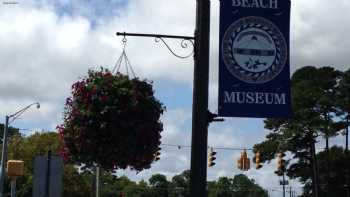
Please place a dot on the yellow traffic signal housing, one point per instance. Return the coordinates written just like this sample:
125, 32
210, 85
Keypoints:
246, 164
243, 162
157, 155
258, 160
15, 168
211, 158
240, 163
280, 162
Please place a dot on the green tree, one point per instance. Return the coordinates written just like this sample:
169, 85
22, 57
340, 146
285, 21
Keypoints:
137, 190
313, 96
223, 187
337, 169
343, 98
343, 103
12, 131
238, 186
76, 184
180, 184
159, 185
27, 148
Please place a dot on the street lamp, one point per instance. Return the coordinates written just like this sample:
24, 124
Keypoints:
9, 120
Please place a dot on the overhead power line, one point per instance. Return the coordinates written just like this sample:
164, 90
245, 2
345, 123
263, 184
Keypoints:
216, 148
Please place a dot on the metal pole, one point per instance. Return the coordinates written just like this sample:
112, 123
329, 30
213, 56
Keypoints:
314, 169
4, 157
13, 187
97, 181
48, 169
283, 184
328, 164
290, 191
347, 135
154, 35
4, 144
328, 155
347, 182
198, 173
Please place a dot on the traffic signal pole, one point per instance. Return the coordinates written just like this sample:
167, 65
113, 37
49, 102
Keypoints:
200, 120
347, 182
284, 184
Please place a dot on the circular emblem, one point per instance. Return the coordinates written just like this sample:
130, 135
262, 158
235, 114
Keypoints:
254, 50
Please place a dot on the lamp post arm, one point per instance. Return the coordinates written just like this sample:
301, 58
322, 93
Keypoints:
20, 112
4, 144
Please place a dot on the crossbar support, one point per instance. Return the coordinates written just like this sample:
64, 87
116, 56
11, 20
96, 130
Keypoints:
155, 35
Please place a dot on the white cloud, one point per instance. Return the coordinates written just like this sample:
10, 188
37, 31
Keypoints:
319, 33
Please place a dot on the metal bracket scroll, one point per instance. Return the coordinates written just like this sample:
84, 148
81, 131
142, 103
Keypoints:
185, 41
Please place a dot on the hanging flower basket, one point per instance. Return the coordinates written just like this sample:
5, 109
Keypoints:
112, 121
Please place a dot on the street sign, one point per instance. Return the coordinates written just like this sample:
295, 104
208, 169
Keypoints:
40, 176
254, 70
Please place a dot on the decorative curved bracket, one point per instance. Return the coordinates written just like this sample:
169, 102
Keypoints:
184, 45
185, 41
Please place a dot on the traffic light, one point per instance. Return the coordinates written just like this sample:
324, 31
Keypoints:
211, 157
258, 160
243, 162
157, 155
280, 162
240, 163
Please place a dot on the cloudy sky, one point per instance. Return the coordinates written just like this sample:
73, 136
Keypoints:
47, 45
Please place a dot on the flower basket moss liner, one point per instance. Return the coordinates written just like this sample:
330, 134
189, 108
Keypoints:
112, 121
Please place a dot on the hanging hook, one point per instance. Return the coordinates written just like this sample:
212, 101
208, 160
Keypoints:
124, 40
123, 60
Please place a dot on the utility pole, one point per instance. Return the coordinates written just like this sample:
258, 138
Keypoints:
284, 184
290, 191
4, 144
200, 120
4, 156
347, 182
314, 168
327, 153
97, 181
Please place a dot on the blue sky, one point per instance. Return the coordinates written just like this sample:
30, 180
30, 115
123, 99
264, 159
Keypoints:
47, 45
96, 11
91, 9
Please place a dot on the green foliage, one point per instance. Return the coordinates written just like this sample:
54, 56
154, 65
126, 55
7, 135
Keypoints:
11, 131
180, 184
239, 186
314, 110
159, 185
338, 164
343, 98
320, 98
76, 184
81, 183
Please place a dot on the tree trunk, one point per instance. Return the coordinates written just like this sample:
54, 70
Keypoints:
314, 168
327, 160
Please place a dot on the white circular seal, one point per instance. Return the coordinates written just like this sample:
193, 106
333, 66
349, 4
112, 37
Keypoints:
254, 50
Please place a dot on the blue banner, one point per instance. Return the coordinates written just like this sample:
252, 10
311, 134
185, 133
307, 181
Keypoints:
254, 70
